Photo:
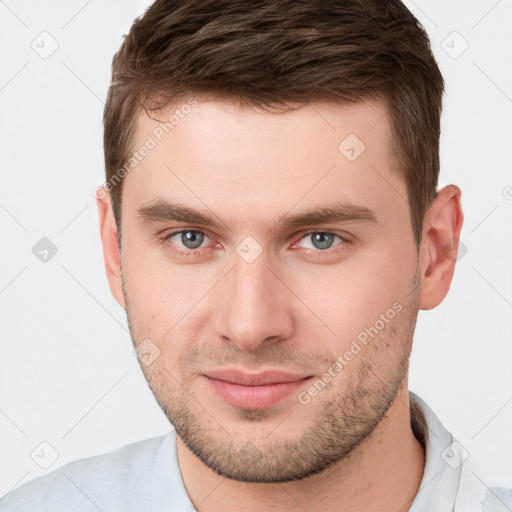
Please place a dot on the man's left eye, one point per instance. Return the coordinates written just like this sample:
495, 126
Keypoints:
321, 240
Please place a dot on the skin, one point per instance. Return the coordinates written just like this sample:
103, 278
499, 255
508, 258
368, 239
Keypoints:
296, 307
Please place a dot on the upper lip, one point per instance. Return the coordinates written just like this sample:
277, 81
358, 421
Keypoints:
254, 379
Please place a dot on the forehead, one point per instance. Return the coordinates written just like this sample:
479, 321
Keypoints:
235, 160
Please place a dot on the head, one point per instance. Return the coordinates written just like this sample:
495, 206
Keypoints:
272, 205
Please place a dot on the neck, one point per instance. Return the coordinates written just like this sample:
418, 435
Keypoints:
382, 474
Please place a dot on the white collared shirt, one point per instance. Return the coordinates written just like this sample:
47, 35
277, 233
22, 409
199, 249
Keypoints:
145, 476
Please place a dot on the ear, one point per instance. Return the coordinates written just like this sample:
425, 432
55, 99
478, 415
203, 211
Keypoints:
111, 251
439, 245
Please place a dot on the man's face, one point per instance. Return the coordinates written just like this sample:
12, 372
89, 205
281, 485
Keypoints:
280, 344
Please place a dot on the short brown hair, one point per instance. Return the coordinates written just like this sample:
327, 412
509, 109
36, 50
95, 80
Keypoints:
278, 52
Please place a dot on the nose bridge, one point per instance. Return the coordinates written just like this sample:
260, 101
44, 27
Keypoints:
251, 284
255, 306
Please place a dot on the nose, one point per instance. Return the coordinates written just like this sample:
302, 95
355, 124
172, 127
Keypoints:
255, 306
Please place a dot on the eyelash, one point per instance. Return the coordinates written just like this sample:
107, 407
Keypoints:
192, 252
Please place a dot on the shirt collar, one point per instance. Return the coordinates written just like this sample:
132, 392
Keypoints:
441, 475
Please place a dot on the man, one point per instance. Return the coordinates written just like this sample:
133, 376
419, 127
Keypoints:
271, 224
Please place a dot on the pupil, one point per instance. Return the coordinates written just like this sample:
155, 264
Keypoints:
322, 240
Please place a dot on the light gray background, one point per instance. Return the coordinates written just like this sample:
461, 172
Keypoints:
67, 370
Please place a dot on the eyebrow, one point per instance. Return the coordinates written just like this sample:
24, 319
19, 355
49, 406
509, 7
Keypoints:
334, 212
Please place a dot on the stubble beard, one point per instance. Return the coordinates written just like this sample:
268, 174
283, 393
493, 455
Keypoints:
338, 421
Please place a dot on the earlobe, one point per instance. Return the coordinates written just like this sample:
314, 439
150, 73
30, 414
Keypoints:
439, 246
111, 251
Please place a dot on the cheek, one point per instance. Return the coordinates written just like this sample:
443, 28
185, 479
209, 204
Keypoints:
165, 301
157, 285
351, 297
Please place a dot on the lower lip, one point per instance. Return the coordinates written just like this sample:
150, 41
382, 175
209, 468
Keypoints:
254, 397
